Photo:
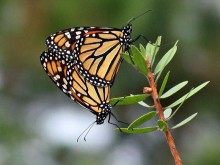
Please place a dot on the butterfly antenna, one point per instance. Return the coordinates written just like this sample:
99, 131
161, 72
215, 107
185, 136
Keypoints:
88, 128
134, 18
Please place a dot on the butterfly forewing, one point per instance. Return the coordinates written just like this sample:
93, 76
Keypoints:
95, 50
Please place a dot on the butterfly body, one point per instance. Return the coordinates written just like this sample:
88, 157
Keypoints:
95, 50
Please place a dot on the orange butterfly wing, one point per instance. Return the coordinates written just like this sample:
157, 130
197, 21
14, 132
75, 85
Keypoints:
96, 51
68, 79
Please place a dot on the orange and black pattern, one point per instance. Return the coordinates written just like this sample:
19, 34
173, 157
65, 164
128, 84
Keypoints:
95, 51
75, 86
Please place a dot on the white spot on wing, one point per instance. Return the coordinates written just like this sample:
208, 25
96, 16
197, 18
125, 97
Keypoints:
68, 35
59, 69
77, 37
64, 80
67, 44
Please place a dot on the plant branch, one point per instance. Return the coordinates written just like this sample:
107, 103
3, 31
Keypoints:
159, 109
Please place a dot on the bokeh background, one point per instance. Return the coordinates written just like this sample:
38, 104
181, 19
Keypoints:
39, 125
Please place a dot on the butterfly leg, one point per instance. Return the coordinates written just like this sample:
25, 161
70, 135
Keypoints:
118, 120
139, 36
113, 123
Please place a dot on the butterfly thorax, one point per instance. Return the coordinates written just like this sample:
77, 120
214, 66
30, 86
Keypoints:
126, 39
101, 116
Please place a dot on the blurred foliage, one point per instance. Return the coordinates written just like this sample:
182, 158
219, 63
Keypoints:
26, 93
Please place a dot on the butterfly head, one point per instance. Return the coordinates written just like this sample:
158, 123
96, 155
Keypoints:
101, 116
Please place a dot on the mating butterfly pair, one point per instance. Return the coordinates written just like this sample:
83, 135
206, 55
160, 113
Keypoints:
83, 63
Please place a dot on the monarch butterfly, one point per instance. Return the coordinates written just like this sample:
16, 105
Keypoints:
95, 50
74, 85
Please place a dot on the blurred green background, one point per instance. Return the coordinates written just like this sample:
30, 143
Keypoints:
39, 125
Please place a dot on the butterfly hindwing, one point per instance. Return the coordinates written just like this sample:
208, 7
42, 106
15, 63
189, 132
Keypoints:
95, 98
56, 70
75, 86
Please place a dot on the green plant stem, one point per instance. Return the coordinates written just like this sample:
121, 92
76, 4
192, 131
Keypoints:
159, 109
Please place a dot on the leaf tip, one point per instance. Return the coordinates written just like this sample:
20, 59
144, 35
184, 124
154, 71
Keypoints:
176, 42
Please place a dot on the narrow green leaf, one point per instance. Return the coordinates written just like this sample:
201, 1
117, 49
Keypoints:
139, 60
167, 113
192, 92
143, 51
142, 120
166, 59
164, 83
144, 104
127, 58
188, 119
128, 99
176, 110
149, 52
138, 130
174, 89
152, 50
162, 125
